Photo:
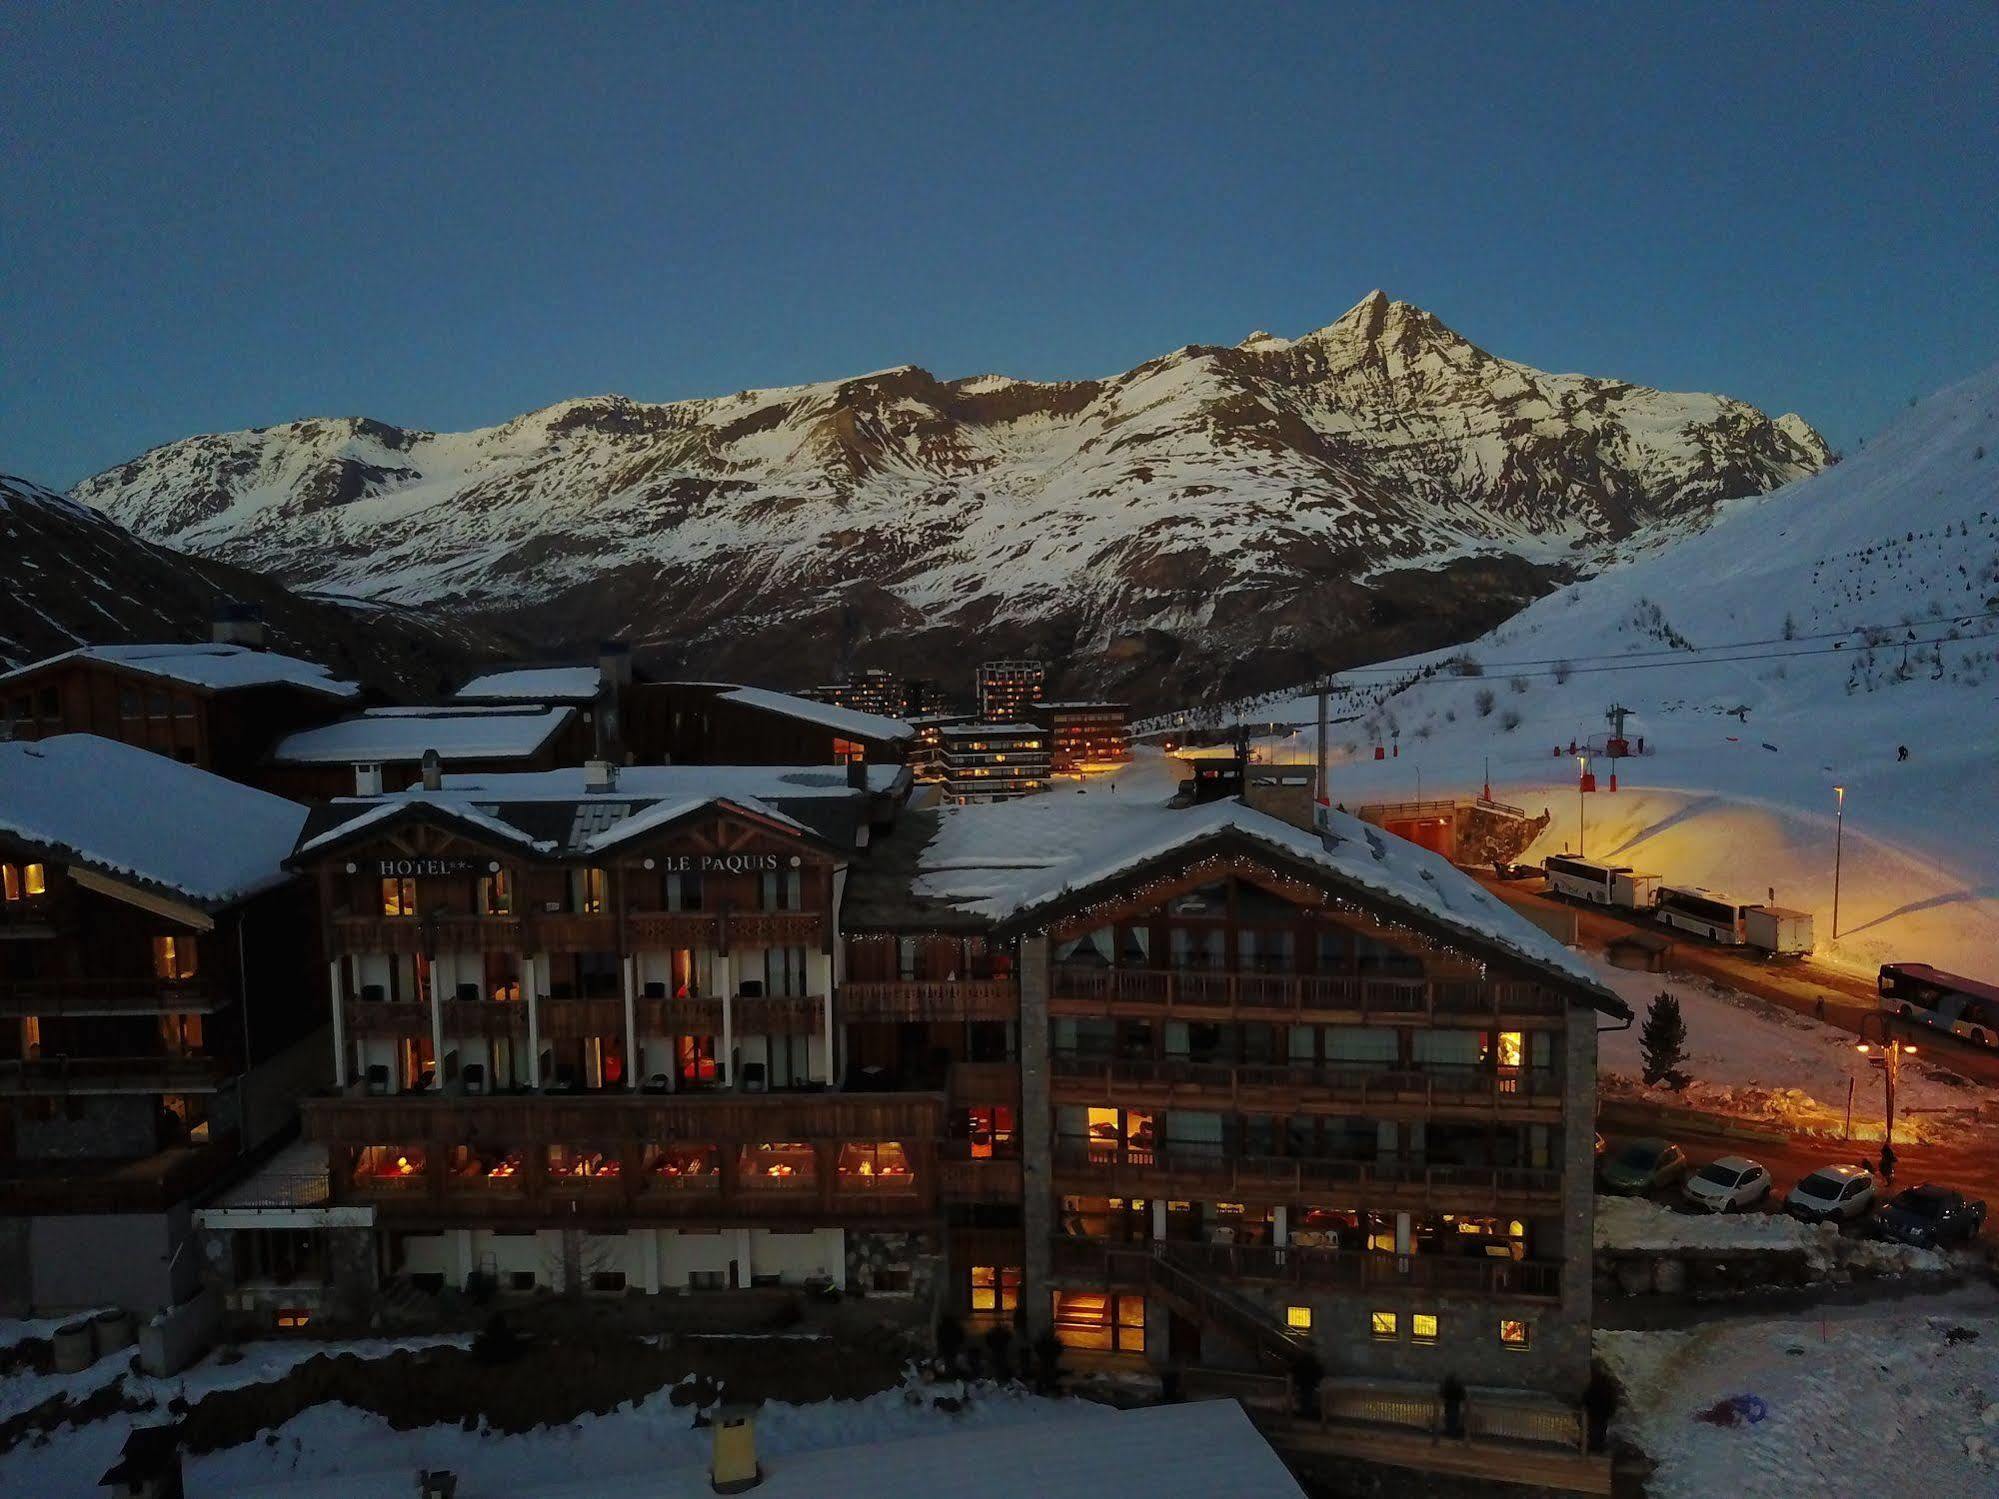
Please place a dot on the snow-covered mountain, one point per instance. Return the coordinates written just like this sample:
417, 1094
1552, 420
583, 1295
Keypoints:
1377, 485
1796, 645
72, 576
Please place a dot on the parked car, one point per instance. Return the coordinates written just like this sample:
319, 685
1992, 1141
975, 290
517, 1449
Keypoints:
1840, 1193
1728, 1185
1643, 1166
1929, 1215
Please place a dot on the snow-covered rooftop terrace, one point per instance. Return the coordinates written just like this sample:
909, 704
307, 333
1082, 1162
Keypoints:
546, 684
216, 668
403, 734
839, 720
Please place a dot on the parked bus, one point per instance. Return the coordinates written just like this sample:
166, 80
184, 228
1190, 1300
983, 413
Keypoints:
1600, 884
1964, 1007
1719, 918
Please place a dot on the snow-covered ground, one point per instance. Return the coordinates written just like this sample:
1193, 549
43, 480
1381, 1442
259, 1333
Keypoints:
1750, 1057
1875, 1401
1844, 615
1634, 1223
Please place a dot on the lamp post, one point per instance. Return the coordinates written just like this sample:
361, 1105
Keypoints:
1892, 1052
1838, 846
1582, 768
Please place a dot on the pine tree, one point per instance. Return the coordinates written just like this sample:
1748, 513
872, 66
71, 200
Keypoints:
1663, 1041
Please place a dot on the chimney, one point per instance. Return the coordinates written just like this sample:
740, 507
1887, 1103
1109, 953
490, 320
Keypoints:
614, 660
600, 775
733, 1469
237, 623
368, 780
433, 771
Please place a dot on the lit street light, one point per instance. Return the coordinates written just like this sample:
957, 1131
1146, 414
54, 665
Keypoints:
1838, 842
1582, 769
1892, 1052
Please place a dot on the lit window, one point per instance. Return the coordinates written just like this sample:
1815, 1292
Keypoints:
294, 1317
34, 879
590, 892
173, 958
1516, 1334
1298, 1318
399, 897
496, 895
995, 1288
1381, 1325
883, 1164
1423, 1327
10, 881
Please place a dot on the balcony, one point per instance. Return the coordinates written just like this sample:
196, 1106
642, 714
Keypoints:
777, 1014
666, 931
1214, 1171
569, 932
570, 1019
963, 1178
1353, 1269
929, 999
1261, 1088
380, 1017
774, 929
144, 995
483, 1017
679, 1017
113, 1075
1216, 994
987, 1083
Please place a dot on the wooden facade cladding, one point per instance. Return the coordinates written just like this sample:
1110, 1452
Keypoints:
1203, 994
1097, 1263
929, 999
666, 930
366, 1018
983, 1181
133, 996
1527, 1096
984, 1083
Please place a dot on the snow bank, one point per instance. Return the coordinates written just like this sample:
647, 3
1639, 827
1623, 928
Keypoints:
1632, 1223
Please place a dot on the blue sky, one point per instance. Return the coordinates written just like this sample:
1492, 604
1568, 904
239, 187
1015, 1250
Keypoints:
231, 216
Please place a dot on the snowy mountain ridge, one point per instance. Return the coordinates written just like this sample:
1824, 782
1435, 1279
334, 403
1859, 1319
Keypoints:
1229, 510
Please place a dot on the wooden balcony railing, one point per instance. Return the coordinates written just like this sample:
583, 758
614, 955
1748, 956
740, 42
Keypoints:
665, 931
113, 1075
481, 1017
1261, 1088
1146, 1172
143, 995
961, 1179
679, 1017
564, 932
570, 1019
929, 999
1217, 993
777, 1014
988, 1083
1344, 1269
774, 929
378, 1017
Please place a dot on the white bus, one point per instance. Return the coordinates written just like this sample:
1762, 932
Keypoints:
1581, 879
1600, 884
1719, 918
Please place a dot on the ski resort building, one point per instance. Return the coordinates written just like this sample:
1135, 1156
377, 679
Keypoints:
987, 762
218, 706
153, 1031
1086, 737
1007, 691
386, 748
1196, 1085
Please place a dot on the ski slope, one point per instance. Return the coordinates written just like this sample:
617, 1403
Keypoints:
1789, 650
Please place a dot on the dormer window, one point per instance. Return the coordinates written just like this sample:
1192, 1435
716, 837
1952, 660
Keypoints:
496, 894
23, 881
399, 896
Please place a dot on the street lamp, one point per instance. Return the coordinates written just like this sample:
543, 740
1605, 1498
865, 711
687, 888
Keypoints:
1838, 844
1582, 769
1892, 1052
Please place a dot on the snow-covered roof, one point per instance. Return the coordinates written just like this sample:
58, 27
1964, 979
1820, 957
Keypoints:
840, 720
1005, 860
213, 668
132, 814
355, 814
401, 734
545, 684
663, 814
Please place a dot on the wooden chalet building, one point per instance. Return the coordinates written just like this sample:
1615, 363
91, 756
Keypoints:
152, 1028
218, 707
385, 748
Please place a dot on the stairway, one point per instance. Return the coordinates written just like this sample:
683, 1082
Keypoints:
1208, 1305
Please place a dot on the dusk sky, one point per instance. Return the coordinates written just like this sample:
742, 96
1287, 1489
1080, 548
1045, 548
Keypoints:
232, 216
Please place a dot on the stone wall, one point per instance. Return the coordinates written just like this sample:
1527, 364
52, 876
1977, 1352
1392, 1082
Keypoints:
1486, 836
917, 1257
107, 1127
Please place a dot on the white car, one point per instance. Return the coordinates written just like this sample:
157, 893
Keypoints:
1727, 1185
1840, 1193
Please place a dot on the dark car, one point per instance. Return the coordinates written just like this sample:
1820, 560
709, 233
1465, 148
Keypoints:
1929, 1215
1642, 1166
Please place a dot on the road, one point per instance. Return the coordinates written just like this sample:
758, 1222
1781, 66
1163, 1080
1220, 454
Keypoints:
1835, 998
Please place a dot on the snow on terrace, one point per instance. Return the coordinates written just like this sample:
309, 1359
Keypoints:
764, 782
403, 734
218, 668
1875, 1400
547, 684
840, 720
129, 813
1000, 859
